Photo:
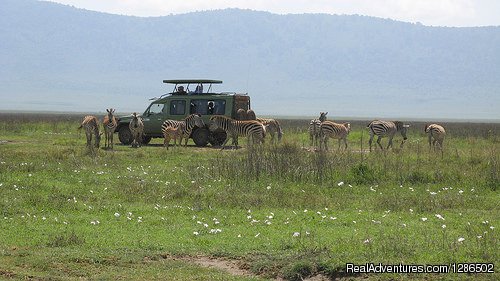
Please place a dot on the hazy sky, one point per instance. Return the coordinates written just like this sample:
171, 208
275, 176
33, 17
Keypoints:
428, 12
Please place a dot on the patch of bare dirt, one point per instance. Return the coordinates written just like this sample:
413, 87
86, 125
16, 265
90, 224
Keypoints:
234, 267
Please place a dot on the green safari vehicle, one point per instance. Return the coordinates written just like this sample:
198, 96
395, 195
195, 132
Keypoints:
180, 103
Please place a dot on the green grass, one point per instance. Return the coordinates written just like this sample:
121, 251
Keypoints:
284, 211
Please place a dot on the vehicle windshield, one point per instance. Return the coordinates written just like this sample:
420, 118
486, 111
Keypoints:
156, 108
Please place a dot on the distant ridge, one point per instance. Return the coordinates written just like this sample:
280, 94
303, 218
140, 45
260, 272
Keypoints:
60, 58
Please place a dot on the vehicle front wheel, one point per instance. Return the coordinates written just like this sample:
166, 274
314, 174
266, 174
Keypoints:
125, 135
200, 137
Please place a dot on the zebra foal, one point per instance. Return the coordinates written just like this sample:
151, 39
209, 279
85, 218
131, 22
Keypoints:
329, 129
91, 126
252, 129
272, 127
386, 129
436, 135
109, 123
174, 133
188, 124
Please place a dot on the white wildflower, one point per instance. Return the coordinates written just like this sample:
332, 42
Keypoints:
340, 183
461, 239
443, 226
117, 215
424, 219
439, 216
196, 233
296, 234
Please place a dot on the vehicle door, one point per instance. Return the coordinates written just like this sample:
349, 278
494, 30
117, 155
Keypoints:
153, 118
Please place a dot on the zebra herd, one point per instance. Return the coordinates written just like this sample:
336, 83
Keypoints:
322, 129
245, 126
255, 129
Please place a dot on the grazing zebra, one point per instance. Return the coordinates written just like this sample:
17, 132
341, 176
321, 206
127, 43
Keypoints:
251, 115
436, 135
272, 127
109, 123
171, 132
329, 129
137, 129
187, 126
252, 129
313, 129
386, 128
241, 114
91, 125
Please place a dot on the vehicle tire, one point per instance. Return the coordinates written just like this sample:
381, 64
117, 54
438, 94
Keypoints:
125, 135
200, 136
217, 138
146, 139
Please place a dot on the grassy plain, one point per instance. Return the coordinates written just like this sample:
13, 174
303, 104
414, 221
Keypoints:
281, 212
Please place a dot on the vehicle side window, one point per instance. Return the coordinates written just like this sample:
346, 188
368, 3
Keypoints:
178, 107
216, 107
199, 107
156, 108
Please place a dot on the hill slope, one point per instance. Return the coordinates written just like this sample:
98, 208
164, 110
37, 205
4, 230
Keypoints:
56, 57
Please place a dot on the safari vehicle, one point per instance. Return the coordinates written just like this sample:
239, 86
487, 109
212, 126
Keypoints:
180, 103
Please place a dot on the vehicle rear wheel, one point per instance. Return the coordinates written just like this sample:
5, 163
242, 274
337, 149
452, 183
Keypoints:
200, 137
217, 138
125, 135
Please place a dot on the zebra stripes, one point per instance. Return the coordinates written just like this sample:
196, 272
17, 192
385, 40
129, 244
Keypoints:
386, 129
313, 130
272, 127
252, 129
329, 129
91, 126
436, 135
187, 126
109, 123
137, 129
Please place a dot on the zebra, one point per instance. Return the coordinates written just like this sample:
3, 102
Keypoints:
187, 126
387, 128
171, 132
91, 125
329, 129
272, 126
109, 123
314, 128
252, 129
314, 131
436, 135
136, 127
322, 116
